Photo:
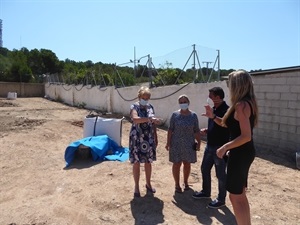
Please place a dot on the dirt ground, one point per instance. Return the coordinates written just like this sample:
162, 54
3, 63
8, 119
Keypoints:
37, 189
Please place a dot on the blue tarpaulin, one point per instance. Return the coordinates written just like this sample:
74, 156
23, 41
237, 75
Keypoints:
99, 145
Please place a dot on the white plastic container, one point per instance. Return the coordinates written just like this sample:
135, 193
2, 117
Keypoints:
12, 95
94, 126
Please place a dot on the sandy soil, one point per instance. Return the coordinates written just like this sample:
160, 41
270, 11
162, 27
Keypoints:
35, 187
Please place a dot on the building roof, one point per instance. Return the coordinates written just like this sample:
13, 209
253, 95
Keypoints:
277, 70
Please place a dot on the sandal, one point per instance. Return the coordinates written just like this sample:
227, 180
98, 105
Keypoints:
178, 190
187, 187
136, 195
152, 190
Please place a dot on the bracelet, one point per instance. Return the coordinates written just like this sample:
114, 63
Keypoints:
215, 116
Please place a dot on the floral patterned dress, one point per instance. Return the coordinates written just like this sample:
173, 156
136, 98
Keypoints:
142, 146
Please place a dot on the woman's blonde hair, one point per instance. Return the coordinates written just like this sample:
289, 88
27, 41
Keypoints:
184, 96
144, 91
240, 86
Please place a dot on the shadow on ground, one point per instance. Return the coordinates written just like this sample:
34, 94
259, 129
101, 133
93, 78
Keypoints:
147, 210
287, 159
199, 208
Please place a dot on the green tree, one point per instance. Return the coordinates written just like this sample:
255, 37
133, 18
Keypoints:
128, 79
19, 71
5, 65
50, 62
105, 79
4, 52
35, 62
166, 75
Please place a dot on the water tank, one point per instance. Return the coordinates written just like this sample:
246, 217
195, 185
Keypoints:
94, 126
12, 95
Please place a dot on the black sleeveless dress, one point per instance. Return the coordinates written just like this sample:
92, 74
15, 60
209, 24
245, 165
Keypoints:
240, 158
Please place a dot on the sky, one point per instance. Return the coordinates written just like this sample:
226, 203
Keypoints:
247, 34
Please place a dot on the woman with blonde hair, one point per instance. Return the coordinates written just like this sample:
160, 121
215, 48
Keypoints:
142, 139
240, 120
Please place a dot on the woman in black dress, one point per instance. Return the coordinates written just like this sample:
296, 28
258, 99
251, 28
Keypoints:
240, 119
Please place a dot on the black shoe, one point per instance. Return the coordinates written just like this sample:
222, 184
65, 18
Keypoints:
151, 190
199, 195
136, 195
216, 204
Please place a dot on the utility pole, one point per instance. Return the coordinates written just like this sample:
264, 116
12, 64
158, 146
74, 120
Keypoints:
194, 62
134, 62
150, 71
219, 77
207, 63
1, 42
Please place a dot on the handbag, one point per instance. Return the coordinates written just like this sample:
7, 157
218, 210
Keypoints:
195, 146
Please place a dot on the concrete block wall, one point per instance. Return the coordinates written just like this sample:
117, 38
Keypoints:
22, 89
278, 96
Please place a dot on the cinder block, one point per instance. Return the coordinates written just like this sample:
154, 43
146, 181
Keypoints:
293, 105
260, 95
273, 96
282, 88
272, 110
266, 88
279, 103
293, 80
295, 88
287, 128
288, 96
288, 112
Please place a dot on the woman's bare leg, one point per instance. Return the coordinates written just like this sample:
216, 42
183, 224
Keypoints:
176, 174
136, 177
148, 172
186, 173
241, 208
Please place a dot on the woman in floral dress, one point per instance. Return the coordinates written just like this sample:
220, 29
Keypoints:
142, 139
